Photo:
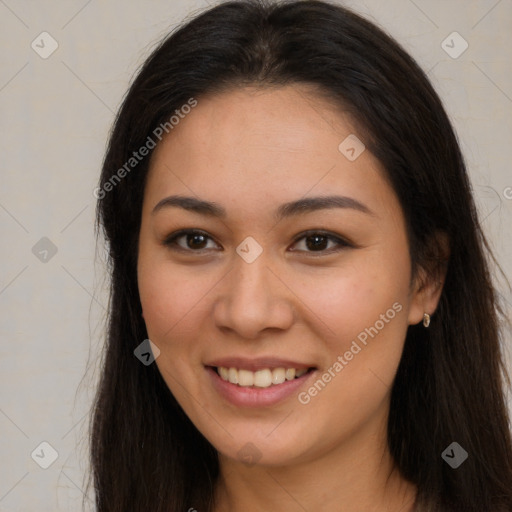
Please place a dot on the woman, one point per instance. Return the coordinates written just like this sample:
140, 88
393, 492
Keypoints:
290, 223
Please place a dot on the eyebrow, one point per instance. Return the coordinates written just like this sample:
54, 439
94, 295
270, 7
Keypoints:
300, 206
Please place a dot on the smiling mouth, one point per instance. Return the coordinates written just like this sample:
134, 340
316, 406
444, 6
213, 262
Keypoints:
262, 378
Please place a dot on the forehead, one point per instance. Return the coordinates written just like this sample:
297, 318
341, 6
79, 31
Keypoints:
253, 119
265, 145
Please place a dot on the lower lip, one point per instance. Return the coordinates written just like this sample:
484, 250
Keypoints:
254, 396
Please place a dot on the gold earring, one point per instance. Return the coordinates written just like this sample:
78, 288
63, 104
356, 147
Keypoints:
426, 320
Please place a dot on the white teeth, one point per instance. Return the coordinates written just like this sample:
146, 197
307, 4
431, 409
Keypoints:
290, 374
261, 378
278, 375
233, 375
246, 378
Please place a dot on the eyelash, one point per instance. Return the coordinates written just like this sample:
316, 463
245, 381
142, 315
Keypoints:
171, 241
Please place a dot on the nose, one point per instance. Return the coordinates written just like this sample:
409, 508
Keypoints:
252, 298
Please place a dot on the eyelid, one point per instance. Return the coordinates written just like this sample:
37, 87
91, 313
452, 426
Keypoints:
340, 241
170, 240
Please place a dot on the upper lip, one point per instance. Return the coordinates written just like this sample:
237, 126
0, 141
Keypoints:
257, 363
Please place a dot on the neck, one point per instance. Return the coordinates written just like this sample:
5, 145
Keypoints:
358, 475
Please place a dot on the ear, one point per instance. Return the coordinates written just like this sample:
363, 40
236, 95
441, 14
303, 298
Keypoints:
428, 284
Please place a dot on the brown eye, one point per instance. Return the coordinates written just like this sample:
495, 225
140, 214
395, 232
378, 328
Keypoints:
196, 241
317, 242
190, 240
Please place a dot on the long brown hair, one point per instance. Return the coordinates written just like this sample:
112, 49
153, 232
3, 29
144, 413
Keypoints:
450, 385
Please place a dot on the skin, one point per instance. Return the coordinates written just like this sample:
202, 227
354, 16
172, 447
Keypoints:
249, 151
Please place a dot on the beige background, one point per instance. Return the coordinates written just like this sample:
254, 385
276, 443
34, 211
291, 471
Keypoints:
55, 117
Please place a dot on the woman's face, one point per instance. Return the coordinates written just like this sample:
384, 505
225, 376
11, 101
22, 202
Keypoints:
268, 250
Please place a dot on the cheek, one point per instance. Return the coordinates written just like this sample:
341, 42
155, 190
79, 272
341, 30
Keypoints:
352, 298
359, 379
174, 301
171, 299
364, 307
